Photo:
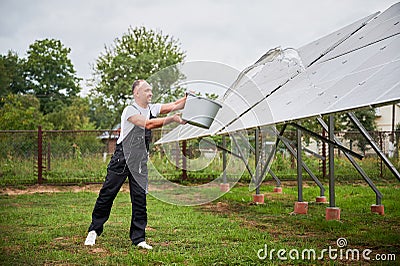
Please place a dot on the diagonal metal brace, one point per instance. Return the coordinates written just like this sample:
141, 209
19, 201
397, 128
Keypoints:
373, 144
341, 147
240, 155
308, 170
356, 165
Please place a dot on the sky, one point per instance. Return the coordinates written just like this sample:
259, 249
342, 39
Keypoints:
232, 32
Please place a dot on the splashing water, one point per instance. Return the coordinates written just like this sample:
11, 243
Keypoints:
273, 58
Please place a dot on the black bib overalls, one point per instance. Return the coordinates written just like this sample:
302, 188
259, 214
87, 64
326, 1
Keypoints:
129, 160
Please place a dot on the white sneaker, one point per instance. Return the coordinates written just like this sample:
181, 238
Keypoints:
144, 245
91, 238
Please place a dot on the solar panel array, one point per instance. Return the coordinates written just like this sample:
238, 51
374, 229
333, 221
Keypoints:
354, 67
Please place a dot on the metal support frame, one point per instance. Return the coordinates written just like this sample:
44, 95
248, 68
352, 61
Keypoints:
356, 166
222, 148
286, 142
330, 142
255, 178
257, 158
270, 156
373, 144
225, 150
277, 180
299, 168
313, 153
331, 129
308, 170
241, 157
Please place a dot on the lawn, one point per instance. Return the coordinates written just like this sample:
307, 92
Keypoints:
50, 228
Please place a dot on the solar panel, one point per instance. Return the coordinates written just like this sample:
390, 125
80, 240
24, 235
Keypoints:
342, 84
354, 67
314, 50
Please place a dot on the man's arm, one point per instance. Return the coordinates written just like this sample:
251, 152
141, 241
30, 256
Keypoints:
141, 121
169, 107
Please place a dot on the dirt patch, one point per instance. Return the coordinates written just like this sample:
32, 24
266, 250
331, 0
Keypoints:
58, 188
48, 189
54, 189
148, 228
219, 207
98, 250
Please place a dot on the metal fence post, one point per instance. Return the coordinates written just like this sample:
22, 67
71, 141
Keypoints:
48, 156
224, 179
324, 154
40, 155
184, 162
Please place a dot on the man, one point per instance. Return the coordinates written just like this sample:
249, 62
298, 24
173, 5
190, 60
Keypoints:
130, 160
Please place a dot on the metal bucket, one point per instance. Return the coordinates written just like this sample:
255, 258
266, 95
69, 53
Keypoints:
200, 111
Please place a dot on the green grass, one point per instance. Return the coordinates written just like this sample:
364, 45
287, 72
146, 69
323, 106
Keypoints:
90, 168
50, 228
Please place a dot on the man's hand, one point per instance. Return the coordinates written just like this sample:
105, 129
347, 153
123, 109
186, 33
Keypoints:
178, 119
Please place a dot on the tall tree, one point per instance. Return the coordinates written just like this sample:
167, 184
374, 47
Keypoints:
138, 54
51, 75
72, 117
12, 76
21, 112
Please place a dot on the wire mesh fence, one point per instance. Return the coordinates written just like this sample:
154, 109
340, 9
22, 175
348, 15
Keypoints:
63, 156
81, 156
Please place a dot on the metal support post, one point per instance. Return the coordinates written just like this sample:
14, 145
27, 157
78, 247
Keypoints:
332, 212
357, 166
257, 158
308, 170
373, 144
331, 129
240, 155
299, 168
272, 154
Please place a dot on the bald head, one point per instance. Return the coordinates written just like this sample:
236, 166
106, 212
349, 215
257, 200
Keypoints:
142, 92
137, 84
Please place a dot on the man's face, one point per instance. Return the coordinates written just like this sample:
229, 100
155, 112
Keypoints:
144, 92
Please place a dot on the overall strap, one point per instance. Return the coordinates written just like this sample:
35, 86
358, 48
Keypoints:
147, 132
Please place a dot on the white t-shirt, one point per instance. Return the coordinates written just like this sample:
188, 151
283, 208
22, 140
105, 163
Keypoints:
127, 126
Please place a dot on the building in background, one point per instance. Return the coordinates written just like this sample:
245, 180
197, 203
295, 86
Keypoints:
384, 117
